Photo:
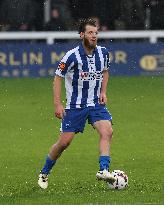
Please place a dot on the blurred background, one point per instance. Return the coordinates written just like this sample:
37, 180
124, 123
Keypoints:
39, 15
59, 15
132, 30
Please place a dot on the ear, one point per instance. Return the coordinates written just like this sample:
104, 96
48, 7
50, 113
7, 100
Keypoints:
82, 35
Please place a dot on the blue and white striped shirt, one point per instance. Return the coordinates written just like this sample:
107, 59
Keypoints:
83, 75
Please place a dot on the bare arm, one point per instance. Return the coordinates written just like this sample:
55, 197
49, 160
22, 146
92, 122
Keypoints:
103, 98
57, 86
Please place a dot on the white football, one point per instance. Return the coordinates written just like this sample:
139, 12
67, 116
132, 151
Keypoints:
121, 180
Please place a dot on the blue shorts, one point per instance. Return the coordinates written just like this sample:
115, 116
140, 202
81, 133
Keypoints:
75, 119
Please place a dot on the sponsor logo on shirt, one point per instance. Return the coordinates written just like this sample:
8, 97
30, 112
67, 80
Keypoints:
89, 76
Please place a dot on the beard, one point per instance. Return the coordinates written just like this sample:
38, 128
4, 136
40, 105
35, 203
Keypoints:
89, 44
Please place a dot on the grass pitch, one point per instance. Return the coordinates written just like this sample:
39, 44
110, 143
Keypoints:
28, 129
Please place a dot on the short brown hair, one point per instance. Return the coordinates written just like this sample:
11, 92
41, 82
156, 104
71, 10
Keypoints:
84, 22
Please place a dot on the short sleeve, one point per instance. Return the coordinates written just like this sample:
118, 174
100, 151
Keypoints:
64, 65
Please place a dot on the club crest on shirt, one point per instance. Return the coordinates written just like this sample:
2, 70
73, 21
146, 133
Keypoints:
62, 66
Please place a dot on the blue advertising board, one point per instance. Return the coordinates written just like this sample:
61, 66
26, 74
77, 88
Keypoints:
41, 60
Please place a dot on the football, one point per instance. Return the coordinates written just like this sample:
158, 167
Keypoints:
121, 180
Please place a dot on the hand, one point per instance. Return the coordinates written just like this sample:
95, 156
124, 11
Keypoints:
102, 99
59, 111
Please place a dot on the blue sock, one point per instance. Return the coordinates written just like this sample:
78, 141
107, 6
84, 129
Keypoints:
48, 165
104, 162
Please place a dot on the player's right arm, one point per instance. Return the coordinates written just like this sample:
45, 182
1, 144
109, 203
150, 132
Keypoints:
62, 69
57, 86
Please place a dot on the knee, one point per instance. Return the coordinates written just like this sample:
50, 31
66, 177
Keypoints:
64, 144
107, 134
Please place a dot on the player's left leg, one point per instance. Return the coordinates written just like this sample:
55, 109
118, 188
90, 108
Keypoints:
104, 128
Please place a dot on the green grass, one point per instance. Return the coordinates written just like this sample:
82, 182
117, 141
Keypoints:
28, 129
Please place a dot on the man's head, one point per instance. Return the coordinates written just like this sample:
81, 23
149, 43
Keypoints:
88, 32
55, 12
